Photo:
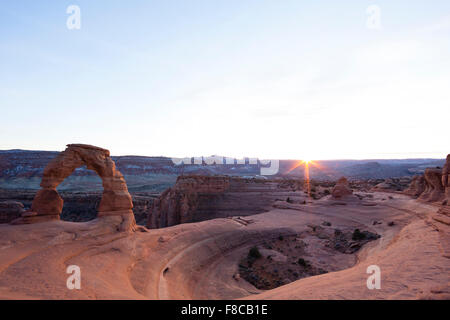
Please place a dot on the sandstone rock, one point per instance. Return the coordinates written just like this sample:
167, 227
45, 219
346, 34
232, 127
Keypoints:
197, 198
341, 189
115, 199
434, 190
446, 178
10, 210
430, 186
417, 186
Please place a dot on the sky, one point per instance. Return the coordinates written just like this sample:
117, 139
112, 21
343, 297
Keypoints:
286, 79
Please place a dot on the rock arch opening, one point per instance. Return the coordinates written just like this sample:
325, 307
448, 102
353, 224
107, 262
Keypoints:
115, 198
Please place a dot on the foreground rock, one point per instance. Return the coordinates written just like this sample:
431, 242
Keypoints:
201, 260
116, 201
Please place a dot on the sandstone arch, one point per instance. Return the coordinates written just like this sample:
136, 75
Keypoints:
116, 201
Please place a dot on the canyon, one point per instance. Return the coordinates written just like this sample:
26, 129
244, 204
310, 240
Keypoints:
230, 237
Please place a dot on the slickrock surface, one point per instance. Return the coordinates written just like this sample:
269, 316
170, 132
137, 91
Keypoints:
47, 204
201, 260
197, 198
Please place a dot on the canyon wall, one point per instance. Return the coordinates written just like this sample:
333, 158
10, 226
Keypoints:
434, 186
197, 198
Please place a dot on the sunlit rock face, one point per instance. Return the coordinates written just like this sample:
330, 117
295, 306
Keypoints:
47, 204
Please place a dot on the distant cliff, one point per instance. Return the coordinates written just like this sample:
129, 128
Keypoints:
22, 169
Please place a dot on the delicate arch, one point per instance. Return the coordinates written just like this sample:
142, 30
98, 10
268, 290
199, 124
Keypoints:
47, 204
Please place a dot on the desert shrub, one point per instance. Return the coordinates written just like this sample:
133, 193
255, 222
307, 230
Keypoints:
303, 262
254, 253
358, 235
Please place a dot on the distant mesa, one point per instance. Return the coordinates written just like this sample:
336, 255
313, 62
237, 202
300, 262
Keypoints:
116, 201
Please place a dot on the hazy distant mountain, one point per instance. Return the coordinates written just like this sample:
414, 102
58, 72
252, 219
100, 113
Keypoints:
24, 168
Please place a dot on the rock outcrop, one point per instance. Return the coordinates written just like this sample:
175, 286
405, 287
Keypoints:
434, 190
434, 187
10, 210
116, 201
394, 185
341, 189
417, 187
197, 198
446, 179
441, 220
428, 187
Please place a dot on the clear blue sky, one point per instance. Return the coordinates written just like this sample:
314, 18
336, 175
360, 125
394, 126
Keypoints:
269, 79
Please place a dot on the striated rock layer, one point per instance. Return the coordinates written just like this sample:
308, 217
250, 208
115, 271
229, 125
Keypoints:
197, 198
432, 186
116, 201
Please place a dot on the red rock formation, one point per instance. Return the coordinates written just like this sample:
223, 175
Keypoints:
178, 204
417, 186
341, 189
197, 198
441, 219
47, 204
434, 186
429, 187
434, 190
